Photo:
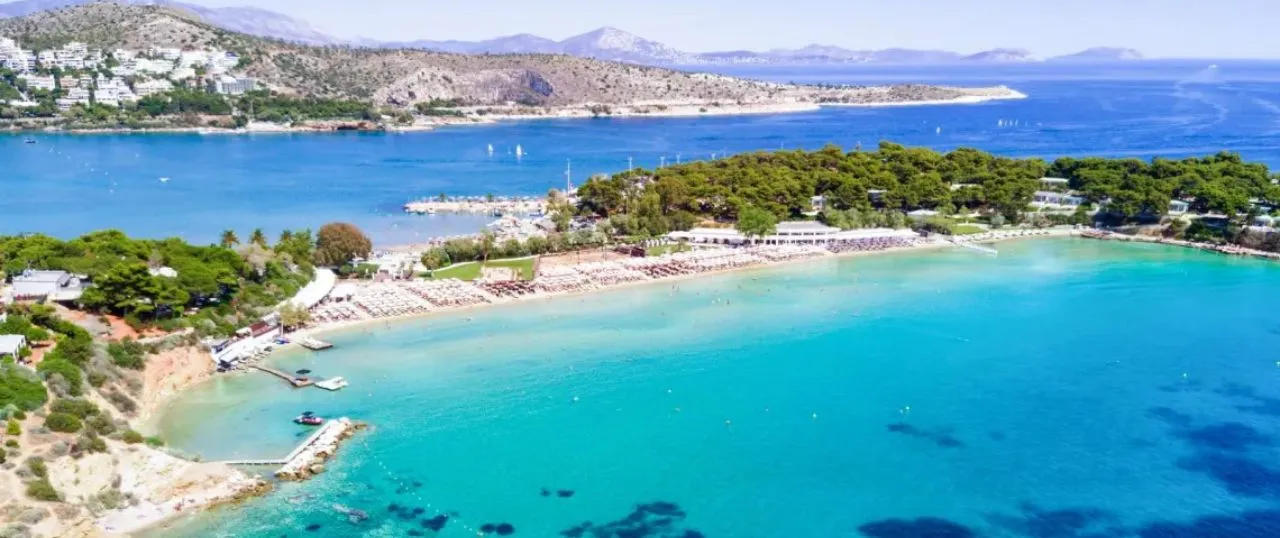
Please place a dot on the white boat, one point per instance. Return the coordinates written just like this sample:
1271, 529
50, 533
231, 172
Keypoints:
333, 383
490, 149
164, 180
519, 151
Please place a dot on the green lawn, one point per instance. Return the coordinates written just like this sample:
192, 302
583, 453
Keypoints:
462, 271
471, 270
671, 248
967, 229
523, 265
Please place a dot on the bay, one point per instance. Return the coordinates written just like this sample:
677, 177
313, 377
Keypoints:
1067, 387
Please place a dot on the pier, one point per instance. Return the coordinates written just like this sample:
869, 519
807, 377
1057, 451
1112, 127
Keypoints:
307, 458
313, 344
296, 381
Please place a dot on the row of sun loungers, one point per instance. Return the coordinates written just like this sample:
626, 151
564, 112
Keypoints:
872, 244
446, 293
412, 297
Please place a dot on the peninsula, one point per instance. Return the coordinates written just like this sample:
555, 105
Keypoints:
120, 66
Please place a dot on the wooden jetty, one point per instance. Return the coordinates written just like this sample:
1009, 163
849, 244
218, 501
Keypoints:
297, 381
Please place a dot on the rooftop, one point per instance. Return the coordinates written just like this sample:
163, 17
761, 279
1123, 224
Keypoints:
805, 226
41, 276
11, 343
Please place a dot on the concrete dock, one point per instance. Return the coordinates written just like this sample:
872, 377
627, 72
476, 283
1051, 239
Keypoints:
296, 381
307, 459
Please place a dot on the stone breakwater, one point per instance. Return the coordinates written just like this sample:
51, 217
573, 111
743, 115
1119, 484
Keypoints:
1230, 250
309, 460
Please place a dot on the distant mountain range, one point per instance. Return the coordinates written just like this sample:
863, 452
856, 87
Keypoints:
603, 44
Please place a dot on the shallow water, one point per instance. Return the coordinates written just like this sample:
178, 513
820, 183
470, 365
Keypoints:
1064, 388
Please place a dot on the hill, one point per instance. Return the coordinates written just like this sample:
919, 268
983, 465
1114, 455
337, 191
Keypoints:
402, 77
249, 20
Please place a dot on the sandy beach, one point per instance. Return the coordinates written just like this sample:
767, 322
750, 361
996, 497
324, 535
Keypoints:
991, 237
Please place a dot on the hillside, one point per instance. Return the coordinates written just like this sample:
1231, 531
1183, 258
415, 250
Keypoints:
403, 77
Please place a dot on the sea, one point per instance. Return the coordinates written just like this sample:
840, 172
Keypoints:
195, 186
1062, 388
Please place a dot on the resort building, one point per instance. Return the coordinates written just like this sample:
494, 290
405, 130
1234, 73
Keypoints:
789, 233
1178, 207
1055, 182
47, 285
150, 87
11, 345
37, 82
229, 85
1056, 200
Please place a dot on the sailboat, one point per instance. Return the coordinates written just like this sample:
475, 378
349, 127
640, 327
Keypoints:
938, 131
519, 151
164, 179
490, 150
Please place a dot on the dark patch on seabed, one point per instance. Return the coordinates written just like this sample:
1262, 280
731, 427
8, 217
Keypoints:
1035, 522
652, 520
925, 527
1261, 405
1257, 524
942, 438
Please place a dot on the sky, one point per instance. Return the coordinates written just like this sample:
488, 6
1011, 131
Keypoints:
1157, 28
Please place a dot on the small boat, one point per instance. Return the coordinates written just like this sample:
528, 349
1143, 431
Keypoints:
164, 179
308, 419
29, 141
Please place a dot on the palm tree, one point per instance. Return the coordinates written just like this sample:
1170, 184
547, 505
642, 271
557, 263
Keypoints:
229, 238
258, 238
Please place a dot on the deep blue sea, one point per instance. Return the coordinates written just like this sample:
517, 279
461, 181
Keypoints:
1066, 388
70, 184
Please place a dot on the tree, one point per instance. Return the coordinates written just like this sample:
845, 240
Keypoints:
229, 238
62, 423
435, 258
337, 243
258, 238
293, 315
754, 222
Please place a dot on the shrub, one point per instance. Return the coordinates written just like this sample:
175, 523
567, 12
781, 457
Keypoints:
13, 428
36, 465
132, 437
80, 408
69, 372
42, 490
62, 423
11, 443
154, 441
127, 354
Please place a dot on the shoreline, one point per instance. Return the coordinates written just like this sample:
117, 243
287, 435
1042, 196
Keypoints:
340, 327
581, 111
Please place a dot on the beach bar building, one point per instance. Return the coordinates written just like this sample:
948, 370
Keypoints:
790, 233
47, 285
11, 345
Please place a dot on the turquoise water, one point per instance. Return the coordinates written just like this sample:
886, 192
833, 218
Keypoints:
67, 185
1065, 388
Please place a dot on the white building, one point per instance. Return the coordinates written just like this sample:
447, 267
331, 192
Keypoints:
170, 54
157, 67
1178, 207
1056, 200
74, 96
149, 87
182, 73
51, 285
229, 85
11, 345
791, 233
37, 82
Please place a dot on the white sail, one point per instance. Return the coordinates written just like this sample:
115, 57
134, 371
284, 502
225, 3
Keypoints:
519, 151
490, 149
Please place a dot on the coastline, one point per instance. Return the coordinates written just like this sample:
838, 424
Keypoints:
581, 111
339, 327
